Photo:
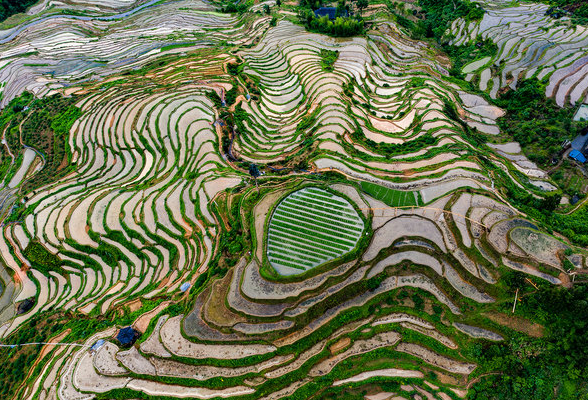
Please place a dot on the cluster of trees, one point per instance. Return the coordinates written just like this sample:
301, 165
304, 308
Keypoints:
63, 121
42, 124
11, 7
536, 122
236, 7
552, 367
18, 361
343, 25
462, 55
574, 226
41, 258
231, 96
340, 27
435, 16
439, 14
242, 6
577, 9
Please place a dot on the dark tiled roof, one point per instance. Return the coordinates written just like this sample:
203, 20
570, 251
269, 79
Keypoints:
331, 12
127, 335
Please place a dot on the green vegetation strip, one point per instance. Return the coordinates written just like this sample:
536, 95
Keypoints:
393, 198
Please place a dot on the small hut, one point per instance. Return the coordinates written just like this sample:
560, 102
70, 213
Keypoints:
576, 155
127, 336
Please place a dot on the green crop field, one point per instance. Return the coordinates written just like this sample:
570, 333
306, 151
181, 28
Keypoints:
310, 227
394, 198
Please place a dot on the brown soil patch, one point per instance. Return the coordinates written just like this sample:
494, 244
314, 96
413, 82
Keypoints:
518, 324
340, 345
565, 280
260, 213
163, 283
429, 307
142, 323
64, 163
406, 302
446, 379
215, 310
460, 392
134, 305
48, 347
238, 100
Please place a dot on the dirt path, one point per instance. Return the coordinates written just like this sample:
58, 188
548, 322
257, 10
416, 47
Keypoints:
473, 381
238, 100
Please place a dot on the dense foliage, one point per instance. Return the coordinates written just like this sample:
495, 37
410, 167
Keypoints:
391, 149
41, 259
552, 367
340, 27
11, 7
343, 25
328, 58
578, 10
63, 121
463, 55
20, 359
574, 226
236, 7
439, 14
536, 122
42, 124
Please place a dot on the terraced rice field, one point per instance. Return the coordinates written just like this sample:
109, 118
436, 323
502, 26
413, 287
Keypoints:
311, 227
530, 44
157, 198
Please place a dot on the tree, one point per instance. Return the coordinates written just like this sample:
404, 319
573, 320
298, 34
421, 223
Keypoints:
278, 3
552, 367
266, 9
551, 201
254, 170
514, 279
340, 8
361, 4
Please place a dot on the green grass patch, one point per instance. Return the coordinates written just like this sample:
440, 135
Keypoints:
328, 58
42, 259
393, 198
